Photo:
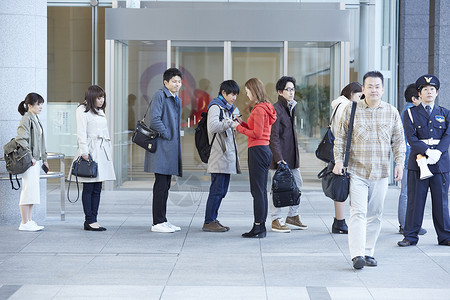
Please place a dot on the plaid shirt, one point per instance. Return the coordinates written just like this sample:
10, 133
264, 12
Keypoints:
375, 132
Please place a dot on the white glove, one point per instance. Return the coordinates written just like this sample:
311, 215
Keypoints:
433, 156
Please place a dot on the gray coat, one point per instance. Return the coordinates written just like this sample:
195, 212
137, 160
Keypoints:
223, 157
165, 111
32, 139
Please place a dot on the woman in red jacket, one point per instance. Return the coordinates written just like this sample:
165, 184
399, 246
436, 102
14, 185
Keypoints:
257, 129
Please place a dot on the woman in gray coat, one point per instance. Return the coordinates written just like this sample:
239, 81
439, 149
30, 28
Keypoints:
30, 135
223, 159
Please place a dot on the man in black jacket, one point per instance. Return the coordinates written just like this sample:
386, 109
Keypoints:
284, 146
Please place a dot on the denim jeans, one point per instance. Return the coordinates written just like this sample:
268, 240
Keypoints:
403, 199
366, 209
217, 191
91, 200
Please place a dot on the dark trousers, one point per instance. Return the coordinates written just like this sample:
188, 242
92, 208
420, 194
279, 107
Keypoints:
417, 196
259, 158
91, 200
217, 191
160, 194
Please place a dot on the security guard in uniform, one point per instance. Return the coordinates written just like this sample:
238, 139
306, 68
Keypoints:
427, 128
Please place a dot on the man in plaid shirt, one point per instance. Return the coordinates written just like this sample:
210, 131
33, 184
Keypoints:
377, 129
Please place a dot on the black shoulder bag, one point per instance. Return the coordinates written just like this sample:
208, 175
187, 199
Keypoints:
144, 136
335, 186
325, 149
82, 168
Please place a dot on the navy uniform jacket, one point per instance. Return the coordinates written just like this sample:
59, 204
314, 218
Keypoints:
435, 126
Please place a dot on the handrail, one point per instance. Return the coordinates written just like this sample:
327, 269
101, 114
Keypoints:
60, 174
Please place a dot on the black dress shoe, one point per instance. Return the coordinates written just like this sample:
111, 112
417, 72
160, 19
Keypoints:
89, 228
405, 243
258, 231
370, 261
447, 243
358, 262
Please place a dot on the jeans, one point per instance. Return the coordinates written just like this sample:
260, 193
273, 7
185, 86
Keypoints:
91, 200
293, 210
217, 191
403, 199
259, 158
160, 194
366, 209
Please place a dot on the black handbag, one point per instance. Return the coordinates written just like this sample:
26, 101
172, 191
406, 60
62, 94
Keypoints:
144, 136
284, 188
324, 150
82, 168
334, 186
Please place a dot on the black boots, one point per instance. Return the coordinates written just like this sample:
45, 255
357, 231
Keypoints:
258, 231
339, 226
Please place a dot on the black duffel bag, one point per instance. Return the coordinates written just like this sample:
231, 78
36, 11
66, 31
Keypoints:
145, 137
334, 186
337, 187
284, 188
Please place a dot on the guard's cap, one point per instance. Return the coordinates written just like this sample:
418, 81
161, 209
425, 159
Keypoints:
427, 80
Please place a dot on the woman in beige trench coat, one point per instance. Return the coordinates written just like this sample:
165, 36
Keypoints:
94, 140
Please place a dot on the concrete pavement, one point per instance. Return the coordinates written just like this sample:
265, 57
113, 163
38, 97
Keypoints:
128, 261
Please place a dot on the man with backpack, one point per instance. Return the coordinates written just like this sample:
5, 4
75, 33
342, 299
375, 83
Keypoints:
223, 158
284, 146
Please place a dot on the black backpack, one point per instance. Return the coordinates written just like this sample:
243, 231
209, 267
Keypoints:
17, 159
201, 136
284, 189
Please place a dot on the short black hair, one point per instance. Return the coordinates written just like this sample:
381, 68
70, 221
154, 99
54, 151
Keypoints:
350, 89
229, 87
374, 74
410, 92
170, 73
281, 83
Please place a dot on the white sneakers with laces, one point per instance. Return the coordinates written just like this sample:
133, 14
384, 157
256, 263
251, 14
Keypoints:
30, 226
165, 227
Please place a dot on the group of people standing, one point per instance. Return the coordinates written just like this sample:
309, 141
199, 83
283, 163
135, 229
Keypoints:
272, 140
377, 131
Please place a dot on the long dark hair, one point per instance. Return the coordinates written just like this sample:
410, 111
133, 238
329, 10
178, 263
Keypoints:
30, 99
93, 92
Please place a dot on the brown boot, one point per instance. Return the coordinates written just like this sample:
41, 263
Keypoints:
295, 223
213, 227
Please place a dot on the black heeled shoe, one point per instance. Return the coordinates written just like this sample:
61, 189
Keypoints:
258, 231
339, 226
88, 227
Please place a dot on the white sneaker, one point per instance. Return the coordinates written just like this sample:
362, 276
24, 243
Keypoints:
29, 226
176, 228
162, 227
36, 225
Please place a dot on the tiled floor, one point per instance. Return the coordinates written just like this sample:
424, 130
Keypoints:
130, 262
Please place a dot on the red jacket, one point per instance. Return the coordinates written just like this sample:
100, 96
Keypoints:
258, 125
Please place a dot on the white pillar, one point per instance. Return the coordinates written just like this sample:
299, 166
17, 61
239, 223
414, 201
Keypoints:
23, 69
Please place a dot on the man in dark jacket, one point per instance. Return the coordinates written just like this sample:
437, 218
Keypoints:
165, 111
284, 146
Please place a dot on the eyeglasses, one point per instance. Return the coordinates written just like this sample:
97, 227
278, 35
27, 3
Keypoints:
290, 89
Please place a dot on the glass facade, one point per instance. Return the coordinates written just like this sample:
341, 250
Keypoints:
136, 68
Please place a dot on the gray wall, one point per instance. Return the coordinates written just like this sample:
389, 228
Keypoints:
424, 45
439, 56
23, 69
413, 44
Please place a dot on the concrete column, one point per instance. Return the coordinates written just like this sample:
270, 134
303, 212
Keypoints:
363, 38
413, 44
23, 69
439, 55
